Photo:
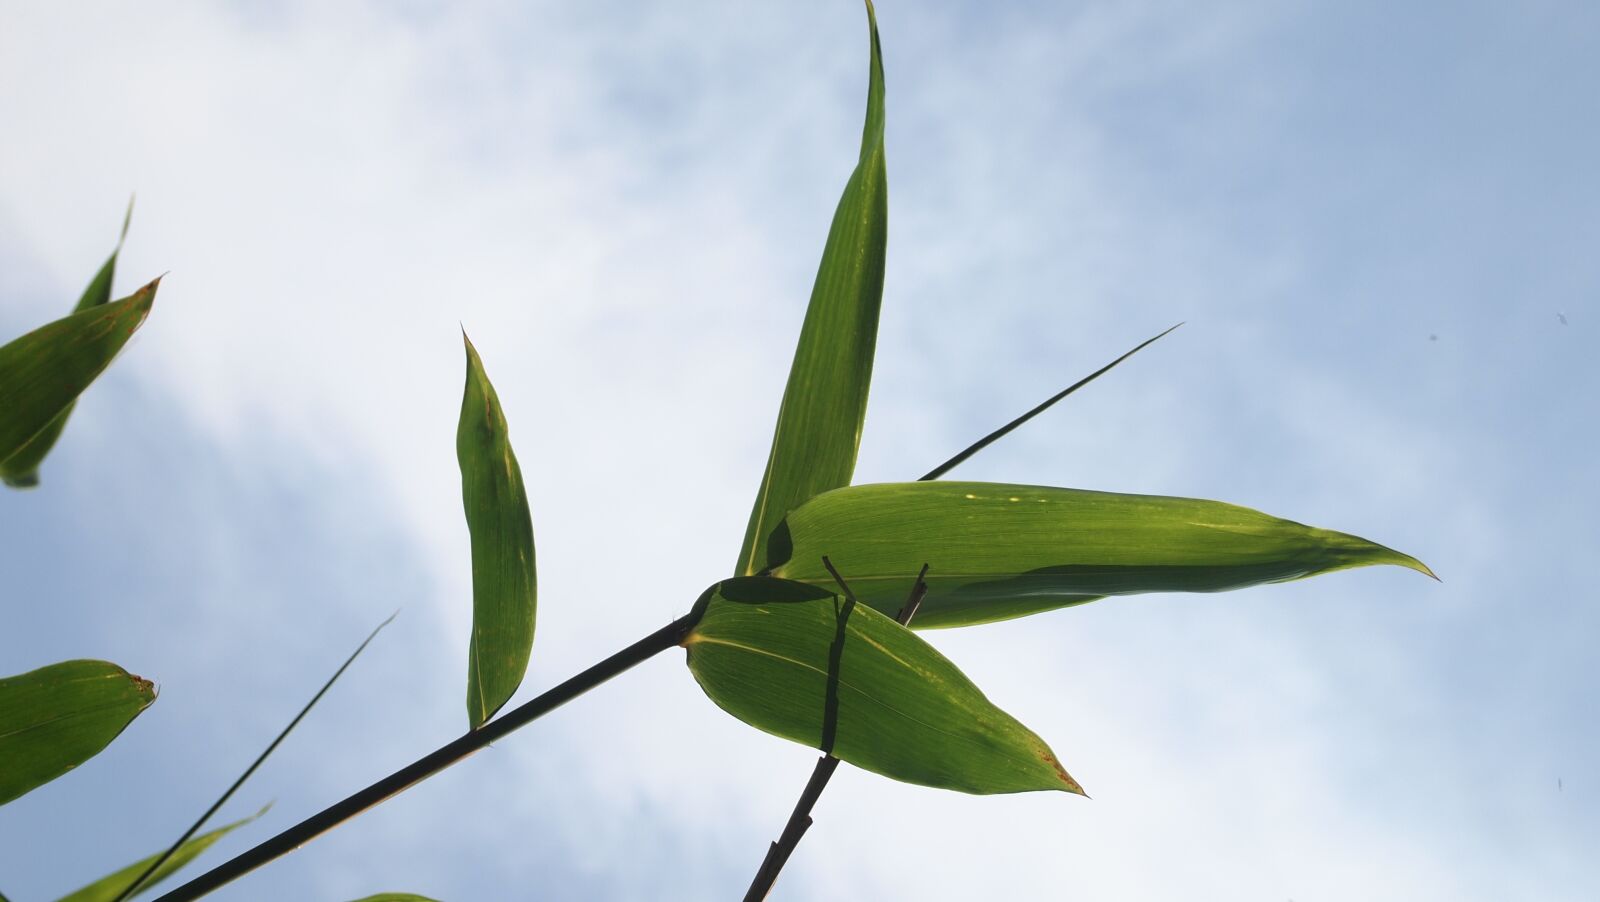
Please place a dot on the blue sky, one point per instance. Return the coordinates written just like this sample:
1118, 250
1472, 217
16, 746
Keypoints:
1373, 219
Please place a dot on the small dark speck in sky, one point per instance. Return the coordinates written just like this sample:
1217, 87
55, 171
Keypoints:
1562, 317
1430, 338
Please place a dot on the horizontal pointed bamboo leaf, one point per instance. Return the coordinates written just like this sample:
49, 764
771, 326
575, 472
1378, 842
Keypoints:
825, 401
59, 716
1001, 551
111, 886
504, 580
21, 469
395, 897
43, 373
788, 659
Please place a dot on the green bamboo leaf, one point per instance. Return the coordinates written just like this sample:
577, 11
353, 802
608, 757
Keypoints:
395, 897
1002, 551
43, 373
111, 886
504, 583
59, 716
793, 659
21, 469
825, 401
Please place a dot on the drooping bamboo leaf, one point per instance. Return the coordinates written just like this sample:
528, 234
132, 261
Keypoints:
59, 716
111, 886
504, 580
43, 373
1001, 551
825, 401
793, 659
21, 469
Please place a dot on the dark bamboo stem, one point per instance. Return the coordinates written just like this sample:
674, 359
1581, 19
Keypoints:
800, 818
430, 764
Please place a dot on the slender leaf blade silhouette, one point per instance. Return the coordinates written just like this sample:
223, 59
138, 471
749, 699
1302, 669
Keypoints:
111, 886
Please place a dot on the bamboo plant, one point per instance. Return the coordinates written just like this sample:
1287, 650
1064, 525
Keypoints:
813, 637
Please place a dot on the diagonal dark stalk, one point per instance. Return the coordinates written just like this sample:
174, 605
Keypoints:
293, 838
800, 818
1000, 433
155, 866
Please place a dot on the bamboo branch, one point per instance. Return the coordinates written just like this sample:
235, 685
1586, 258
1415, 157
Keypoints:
800, 818
430, 764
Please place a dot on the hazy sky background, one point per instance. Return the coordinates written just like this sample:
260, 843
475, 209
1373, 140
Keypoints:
1379, 222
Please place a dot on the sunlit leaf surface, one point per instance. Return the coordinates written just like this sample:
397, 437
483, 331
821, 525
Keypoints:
1000, 551
21, 469
825, 401
43, 373
59, 716
503, 573
789, 658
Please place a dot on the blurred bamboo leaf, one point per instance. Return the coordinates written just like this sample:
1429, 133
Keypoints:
395, 897
825, 401
787, 658
111, 886
42, 373
21, 469
59, 716
1002, 551
504, 579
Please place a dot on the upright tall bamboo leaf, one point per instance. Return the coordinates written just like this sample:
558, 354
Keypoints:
42, 373
59, 716
503, 576
795, 660
111, 886
1002, 551
21, 469
819, 423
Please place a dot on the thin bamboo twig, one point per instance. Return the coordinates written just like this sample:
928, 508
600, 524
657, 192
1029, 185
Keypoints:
430, 764
1000, 433
195, 827
800, 818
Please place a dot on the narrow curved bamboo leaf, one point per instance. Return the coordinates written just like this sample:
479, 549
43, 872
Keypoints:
111, 886
1001, 551
396, 897
791, 659
504, 579
825, 401
21, 469
59, 716
43, 373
